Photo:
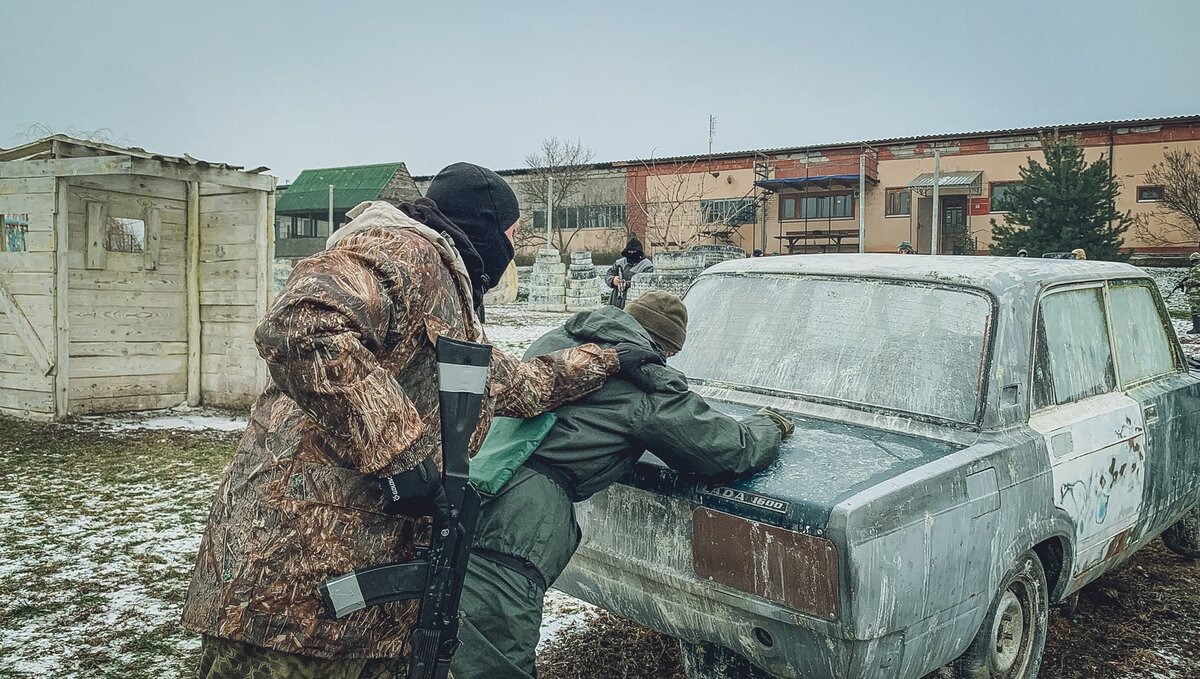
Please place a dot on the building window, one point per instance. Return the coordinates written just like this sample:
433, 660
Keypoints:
1149, 194
999, 192
123, 234
583, 217
828, 206
728, 211
12, 238
304, 227
787, 208
898, 203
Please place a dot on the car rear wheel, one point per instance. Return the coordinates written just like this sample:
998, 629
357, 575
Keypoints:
1183, 537
1010, 642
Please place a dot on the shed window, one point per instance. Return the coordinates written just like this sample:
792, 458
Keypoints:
124, 234
1149, 194
15, 228
898, 202
1074, 359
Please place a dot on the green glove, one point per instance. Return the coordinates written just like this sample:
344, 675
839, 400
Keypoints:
786, 426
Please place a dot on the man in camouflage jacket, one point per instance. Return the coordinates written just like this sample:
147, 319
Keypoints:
353, 399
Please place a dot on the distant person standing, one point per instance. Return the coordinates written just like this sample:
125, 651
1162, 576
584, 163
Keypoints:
1191, 286
633, 261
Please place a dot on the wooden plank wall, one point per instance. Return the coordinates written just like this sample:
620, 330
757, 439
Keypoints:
231, 372
128, 322
28, 277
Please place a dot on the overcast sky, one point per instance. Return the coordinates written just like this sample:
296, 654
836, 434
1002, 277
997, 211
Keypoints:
304, 84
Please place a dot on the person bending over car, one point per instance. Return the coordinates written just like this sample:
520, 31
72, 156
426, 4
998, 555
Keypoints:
527, 531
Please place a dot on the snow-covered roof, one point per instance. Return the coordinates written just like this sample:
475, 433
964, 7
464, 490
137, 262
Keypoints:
995, 274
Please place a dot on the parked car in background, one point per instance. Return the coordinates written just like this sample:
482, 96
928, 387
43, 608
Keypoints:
976, 439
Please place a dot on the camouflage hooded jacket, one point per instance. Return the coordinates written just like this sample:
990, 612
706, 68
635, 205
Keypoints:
354, 395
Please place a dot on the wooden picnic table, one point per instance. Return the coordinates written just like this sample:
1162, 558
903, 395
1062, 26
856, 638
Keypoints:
832, 237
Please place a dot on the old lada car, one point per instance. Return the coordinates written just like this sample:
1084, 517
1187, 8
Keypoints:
977, 438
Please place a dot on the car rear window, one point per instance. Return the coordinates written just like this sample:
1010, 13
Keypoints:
900, 346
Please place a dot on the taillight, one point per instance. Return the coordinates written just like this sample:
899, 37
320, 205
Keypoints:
797, 570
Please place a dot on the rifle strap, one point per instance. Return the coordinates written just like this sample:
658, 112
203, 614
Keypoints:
513, 563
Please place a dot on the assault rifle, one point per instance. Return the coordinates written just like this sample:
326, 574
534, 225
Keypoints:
436, 575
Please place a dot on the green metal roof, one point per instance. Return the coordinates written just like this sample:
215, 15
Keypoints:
351, 186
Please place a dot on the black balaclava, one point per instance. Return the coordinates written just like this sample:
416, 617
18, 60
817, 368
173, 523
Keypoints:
633, 252
483, 207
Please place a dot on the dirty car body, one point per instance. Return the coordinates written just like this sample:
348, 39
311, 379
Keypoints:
952, 414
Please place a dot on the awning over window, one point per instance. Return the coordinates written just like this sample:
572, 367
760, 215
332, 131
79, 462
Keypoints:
949, 180
823, 181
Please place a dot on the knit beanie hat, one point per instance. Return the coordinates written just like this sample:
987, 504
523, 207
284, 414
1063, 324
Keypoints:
480, 203
664, 316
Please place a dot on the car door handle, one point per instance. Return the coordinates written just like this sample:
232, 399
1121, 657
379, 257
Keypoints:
1150, 413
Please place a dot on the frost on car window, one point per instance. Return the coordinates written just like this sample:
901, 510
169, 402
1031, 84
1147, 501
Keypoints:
1075, 341
1143, 348
906, 347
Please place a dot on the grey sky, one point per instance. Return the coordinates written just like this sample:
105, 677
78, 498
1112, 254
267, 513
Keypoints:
304, 84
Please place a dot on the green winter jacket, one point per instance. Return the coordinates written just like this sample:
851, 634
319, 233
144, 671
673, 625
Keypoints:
598, 439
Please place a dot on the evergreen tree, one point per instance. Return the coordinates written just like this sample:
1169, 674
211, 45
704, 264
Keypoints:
1062, 205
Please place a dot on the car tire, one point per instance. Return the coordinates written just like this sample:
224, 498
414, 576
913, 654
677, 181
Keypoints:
1010, 642
1183, 537
709, 661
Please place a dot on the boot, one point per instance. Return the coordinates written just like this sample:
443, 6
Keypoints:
1196, 324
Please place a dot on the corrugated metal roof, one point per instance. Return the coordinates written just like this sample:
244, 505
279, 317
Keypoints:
351, 186
948, 179
1131, 122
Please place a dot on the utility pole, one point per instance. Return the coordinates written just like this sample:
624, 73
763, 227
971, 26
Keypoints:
712, 130
937, 182
549, 212
862, 201
331, 226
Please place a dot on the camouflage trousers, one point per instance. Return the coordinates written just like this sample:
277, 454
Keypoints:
224, 659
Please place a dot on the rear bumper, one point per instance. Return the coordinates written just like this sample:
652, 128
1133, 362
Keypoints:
799, 646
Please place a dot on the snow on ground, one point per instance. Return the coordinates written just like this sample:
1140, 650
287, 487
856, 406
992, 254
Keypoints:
513, 327
179, 418
101, 521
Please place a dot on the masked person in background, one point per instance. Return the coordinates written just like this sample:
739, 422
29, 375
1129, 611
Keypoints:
527, 530
352, 405
633, 261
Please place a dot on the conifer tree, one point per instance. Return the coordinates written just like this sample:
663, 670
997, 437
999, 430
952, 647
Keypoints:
1065, 204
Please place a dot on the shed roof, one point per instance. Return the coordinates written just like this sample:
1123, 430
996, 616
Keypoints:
351, 186
62, 155
44, 148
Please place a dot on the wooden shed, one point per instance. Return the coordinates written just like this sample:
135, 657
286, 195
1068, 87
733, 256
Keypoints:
129, 280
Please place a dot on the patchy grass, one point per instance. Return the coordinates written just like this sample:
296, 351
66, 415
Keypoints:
97, 540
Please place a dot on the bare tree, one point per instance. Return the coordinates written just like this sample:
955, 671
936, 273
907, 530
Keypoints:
1175, 219
670, 204
568, 164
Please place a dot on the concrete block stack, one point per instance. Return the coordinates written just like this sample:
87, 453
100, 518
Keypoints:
673, 273
547, 284
583, 283
717, 253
